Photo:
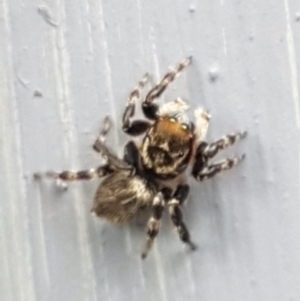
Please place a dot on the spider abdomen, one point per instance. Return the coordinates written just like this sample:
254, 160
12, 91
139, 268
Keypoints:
121, 195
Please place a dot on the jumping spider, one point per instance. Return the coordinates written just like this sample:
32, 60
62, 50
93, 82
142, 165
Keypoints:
153, 173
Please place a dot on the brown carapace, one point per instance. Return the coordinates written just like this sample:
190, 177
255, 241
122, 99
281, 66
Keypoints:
167, 147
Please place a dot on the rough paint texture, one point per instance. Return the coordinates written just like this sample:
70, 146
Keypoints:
65, 64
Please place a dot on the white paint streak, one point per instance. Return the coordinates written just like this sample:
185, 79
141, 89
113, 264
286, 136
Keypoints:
140, 28
67, 115
107, 66
6, 193
192, 285
91, 45
62, 74
293, 64
142, 275
41, 231
224, 41
293, 67
155, 58
17, 185
160, 273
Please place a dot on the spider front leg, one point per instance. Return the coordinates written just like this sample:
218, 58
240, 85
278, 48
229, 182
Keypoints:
212, 149
136, 127
211, 170
154, 222
174, 206
201, 170
149, 108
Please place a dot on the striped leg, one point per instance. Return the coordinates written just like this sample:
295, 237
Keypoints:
174, 206
211, 170
90, 174
100, 147
226, 141
149, 108
69, 176
113, 162
136, 127
154, 222
106, 126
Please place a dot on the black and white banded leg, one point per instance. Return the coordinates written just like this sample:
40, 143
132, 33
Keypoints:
100, 147
212, 149
69, 176
202, 170
136, 127
154, 222
211, 170
174, 207
113, 163
149, 108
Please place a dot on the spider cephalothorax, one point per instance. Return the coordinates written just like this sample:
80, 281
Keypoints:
152, 172
167, 147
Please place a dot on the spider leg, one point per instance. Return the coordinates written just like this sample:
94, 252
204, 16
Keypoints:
154, 222
212, 149
137, 127
100, 147
69, 176
211, 170
174, 207
202, 120
132, 154
200, 160
113, 162
149, 108
106, 126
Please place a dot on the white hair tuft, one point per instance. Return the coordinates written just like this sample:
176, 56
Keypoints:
202, 119
177, 106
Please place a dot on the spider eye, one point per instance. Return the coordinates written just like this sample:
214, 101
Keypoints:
185, 127
173, 119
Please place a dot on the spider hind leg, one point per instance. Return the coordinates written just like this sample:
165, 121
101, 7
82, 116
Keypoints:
154, 222
175, 211
69, 175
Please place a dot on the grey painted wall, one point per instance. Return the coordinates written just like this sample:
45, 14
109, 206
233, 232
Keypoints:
65, 64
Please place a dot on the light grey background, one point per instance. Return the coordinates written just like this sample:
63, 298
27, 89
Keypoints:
65, 64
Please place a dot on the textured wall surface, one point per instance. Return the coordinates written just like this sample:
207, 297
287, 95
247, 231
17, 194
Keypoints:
65, 64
